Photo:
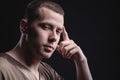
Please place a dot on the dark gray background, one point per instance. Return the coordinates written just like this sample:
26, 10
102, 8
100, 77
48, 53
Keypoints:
92, 24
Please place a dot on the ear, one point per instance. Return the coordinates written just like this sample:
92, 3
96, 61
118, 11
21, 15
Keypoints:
23, 26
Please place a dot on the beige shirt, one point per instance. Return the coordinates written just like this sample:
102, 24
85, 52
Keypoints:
10, 69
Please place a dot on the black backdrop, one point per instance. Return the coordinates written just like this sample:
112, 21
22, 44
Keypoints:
91, 24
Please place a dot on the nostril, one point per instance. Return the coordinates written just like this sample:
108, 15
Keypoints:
52, 39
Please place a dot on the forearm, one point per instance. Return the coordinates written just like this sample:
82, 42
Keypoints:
69, 49
82, 70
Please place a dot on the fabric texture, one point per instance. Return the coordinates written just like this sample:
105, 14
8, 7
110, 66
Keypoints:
10, 69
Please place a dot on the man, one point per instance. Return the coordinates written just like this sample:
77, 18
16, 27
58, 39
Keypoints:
41, 28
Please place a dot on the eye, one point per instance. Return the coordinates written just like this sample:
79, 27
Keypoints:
44, 26
59, 31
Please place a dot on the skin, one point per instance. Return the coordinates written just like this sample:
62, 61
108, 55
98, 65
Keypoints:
69, 49
41, 39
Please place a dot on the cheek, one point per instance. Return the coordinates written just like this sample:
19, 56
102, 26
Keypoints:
39, 32
37, 35
42, 36
59, 39
40, 40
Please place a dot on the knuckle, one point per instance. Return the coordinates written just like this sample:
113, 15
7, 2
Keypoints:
65, 48
71, 51
61, 43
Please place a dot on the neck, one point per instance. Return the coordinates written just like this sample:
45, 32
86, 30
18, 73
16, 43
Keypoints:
26, 56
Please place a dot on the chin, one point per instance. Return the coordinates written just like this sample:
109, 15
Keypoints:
47, 55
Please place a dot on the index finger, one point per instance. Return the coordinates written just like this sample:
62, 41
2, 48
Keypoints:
65, 34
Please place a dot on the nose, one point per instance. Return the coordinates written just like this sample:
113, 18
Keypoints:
53, 37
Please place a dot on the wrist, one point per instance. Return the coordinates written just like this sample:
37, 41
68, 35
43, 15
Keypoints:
79, 59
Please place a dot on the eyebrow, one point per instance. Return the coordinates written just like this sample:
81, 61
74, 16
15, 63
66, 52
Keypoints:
47, 23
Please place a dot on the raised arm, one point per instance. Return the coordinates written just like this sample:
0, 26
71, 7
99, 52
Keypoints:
69, 49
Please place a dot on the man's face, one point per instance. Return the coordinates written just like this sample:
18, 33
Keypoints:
44, 33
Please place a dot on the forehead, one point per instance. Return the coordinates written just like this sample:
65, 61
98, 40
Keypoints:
49, 16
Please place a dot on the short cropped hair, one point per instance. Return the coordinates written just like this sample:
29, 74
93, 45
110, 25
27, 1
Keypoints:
31, 11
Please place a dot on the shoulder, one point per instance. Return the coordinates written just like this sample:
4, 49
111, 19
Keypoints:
4, 62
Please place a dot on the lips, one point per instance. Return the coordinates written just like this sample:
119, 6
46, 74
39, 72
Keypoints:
49, 48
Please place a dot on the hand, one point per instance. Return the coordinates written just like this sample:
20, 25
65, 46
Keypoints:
69, 49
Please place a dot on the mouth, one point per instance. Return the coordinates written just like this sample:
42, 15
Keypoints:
49, 48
